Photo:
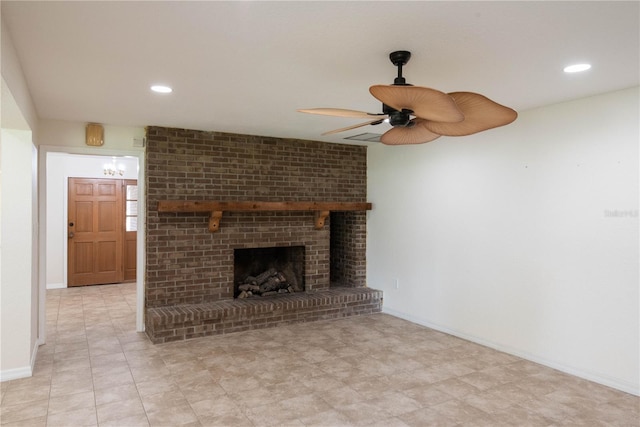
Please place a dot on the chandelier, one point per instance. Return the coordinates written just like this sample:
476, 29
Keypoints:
111, 169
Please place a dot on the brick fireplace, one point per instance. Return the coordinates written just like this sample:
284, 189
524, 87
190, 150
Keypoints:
189, 289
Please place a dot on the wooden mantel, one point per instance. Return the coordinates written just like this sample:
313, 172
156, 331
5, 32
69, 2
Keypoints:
215, 209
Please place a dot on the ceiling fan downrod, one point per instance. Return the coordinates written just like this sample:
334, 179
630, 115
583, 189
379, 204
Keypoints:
399, 118
400, 58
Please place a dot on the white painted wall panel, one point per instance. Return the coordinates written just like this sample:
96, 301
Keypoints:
19, 317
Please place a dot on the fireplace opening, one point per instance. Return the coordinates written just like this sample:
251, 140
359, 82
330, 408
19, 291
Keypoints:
263, 272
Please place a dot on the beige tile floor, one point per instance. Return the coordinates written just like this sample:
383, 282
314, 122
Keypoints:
373, 370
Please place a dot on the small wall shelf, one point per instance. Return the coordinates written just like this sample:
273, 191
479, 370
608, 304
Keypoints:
216, 209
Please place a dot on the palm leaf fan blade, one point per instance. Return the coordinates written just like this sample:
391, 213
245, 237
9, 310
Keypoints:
424, 102
339, 112
480, 113
416, 134
371, 122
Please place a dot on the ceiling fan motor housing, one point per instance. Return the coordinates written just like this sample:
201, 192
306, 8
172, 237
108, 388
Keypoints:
399, 118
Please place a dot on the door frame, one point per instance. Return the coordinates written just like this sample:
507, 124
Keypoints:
43, 151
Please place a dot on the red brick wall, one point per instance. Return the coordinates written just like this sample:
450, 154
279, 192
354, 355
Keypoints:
188, 264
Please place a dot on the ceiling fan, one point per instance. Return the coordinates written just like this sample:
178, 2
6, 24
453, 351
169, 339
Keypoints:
420, 114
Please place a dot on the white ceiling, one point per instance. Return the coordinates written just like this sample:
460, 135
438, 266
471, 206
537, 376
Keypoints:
245, 67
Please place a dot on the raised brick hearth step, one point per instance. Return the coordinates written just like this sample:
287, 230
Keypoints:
175, 323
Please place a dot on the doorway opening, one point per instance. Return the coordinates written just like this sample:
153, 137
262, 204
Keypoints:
60, 166
55, 166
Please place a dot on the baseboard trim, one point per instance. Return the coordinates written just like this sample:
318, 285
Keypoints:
16, 373
24, 372
625, 386
56, 286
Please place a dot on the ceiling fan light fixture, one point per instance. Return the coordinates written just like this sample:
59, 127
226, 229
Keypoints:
399, 118
576, 68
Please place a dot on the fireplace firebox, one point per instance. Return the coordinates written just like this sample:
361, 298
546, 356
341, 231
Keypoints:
266, 272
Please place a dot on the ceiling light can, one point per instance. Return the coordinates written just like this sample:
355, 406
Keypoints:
576, 68
161, 89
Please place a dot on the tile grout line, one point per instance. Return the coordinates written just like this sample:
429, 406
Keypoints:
135, 384
46, 417
93, 385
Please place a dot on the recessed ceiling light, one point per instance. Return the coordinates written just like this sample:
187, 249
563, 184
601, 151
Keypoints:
161, 89
576, 68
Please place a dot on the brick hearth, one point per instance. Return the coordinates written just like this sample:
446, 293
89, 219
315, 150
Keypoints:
175, 323
191, 268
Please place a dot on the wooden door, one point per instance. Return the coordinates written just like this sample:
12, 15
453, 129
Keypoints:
95, 231
130, 229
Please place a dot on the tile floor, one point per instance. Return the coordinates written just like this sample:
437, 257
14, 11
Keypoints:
372, 370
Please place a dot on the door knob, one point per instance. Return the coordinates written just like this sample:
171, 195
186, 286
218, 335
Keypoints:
71, 234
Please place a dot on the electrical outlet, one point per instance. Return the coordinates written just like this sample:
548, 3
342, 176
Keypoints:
397, 284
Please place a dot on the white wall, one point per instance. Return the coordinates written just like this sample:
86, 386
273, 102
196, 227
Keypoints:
20, 98
20, 296
18, 275
117, 139
60, 167
19, 293
523, 238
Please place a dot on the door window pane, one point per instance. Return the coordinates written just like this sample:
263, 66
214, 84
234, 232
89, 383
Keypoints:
132, 192
132, 223
132, 207
131, 212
